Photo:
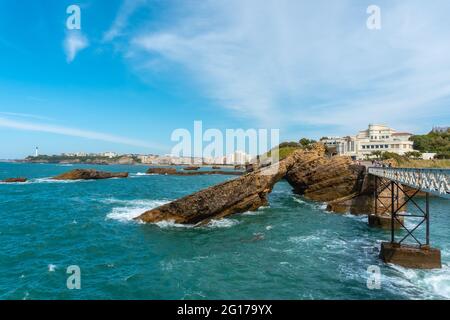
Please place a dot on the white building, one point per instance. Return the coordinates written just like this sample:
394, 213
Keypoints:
428, 155
109, 154
238, 157
375, 138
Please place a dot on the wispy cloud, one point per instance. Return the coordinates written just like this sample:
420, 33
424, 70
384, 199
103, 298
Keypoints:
25, 115
309, 62
74, 42
127, 8
40, 127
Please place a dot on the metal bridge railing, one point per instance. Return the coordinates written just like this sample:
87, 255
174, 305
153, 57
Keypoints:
435, 181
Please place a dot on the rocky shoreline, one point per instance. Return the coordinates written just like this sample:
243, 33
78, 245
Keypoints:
344, 186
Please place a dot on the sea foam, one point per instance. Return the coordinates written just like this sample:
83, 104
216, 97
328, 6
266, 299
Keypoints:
130, 209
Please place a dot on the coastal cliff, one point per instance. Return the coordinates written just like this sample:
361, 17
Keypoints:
309, 171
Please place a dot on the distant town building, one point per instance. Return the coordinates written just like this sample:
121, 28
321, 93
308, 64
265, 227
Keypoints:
110, 154
238, 157
375, 138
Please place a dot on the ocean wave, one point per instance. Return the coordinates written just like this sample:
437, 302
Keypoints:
360, 217
130, 209
303, 239
321, 206
172, 224
45, 180
142, 174
432, 283
14, 183
50, 180
298, 200
222, 223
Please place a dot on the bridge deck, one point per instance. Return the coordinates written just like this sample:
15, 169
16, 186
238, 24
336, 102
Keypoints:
435, 181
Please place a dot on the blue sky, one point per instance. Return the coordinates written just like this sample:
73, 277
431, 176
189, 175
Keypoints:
144, 68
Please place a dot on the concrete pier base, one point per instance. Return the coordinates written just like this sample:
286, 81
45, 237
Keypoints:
408, 256
384, 221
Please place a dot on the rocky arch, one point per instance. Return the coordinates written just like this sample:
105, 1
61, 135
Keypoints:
336, 180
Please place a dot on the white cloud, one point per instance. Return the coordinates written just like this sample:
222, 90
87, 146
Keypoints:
310, 62
74, 42
127, 8
28, 126
25, 115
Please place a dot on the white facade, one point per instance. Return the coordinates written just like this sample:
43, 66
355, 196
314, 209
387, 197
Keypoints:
238, 157
109, 154
375, 138
428, 155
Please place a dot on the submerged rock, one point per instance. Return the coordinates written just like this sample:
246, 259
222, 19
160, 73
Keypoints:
12, 180
89, 174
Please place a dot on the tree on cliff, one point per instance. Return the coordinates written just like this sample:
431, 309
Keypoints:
438, 142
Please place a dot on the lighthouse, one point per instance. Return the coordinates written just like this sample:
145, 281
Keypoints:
36, 152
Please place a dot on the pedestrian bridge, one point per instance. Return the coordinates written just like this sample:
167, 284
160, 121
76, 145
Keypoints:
435, 181
391, 198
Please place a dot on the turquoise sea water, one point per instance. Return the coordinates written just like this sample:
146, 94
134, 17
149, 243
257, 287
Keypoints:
293, 249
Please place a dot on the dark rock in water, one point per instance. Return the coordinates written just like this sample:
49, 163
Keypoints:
202, 173
161, 171
216, 168
12, 180
238, 167
191, 168
174, 172
89, 174
311, 173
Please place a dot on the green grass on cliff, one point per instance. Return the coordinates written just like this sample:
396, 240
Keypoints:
283, 152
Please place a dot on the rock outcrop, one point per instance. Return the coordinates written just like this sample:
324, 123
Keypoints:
191, 168
13, 180
89, 174
161, 171
246, 193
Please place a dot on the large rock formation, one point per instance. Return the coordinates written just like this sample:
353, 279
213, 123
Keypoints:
246, 193
89, 174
